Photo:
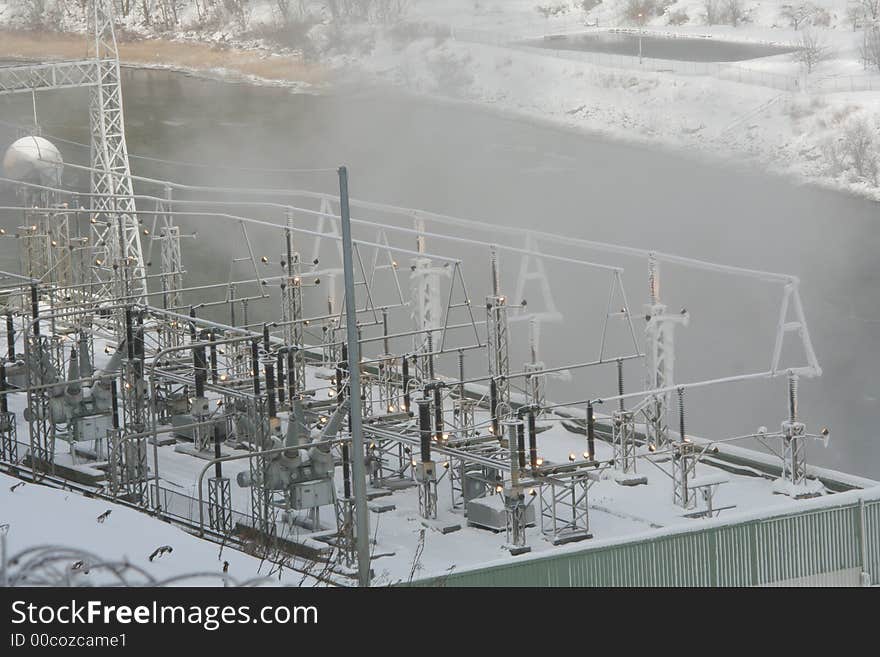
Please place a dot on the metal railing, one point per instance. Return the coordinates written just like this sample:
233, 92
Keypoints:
184, 507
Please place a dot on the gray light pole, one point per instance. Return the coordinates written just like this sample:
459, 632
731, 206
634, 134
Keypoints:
354, 366
641, 26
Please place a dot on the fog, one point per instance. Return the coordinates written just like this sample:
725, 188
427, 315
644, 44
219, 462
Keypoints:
473, 163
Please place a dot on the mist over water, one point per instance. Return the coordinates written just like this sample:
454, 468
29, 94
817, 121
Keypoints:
469, 162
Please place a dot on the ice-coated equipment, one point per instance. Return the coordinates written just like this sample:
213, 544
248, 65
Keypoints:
34, 160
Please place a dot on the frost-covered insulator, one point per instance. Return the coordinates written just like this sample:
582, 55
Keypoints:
653, 279
681, 413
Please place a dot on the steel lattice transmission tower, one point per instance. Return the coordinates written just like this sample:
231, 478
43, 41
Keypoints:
118, 256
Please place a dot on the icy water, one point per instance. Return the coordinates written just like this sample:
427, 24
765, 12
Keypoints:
680, 49
469, 162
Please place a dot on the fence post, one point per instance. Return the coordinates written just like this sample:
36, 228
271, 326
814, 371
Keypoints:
864, 575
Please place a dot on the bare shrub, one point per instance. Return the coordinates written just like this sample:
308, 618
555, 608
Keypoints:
832, 152
869, 48
349, 10
293, 33
386, 12
551, 11
797, 14
821, 17
638, 11
854, 150
859, 147
734, 12
43, 15
797, 109
240, 11
166, 13
811, 49
712, 12
870, 9
390, 12
855, 14
34, 11
404, 33
678, 17
451, 72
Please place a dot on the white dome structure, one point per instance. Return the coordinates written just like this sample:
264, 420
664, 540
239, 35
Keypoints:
34, 160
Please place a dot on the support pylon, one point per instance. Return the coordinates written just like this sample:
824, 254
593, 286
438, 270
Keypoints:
118, 256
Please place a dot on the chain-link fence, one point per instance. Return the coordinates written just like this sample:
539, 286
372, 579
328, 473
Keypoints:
842, 83
183, 507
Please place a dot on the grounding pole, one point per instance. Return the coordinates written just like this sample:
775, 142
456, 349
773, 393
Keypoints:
354, 362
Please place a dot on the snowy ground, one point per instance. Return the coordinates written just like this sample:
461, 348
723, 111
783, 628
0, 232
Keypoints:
405, 545
761, 119
32, 515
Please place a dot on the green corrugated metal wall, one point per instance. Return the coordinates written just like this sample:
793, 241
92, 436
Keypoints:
823, 542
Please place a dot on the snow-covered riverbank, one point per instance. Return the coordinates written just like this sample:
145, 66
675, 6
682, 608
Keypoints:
253, 65
821, 127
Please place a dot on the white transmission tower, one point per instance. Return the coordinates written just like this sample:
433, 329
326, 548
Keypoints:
115, 230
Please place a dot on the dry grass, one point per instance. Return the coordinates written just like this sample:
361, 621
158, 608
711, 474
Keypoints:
151, 52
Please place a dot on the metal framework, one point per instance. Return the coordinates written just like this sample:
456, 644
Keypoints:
115, 229
220, 505
280, 390
292, 315
171, 266
565, 514
660, 358
118, 259
497, 344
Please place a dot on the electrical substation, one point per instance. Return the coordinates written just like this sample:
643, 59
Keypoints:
335, 400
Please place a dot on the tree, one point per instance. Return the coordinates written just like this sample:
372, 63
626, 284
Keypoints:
390, 11
859, 144
870, 9
797, 14
638, 11
169, 12
734, 11
869, 48
711, 12
550, 11
241, 11
855, 13
810, 50
284, 11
